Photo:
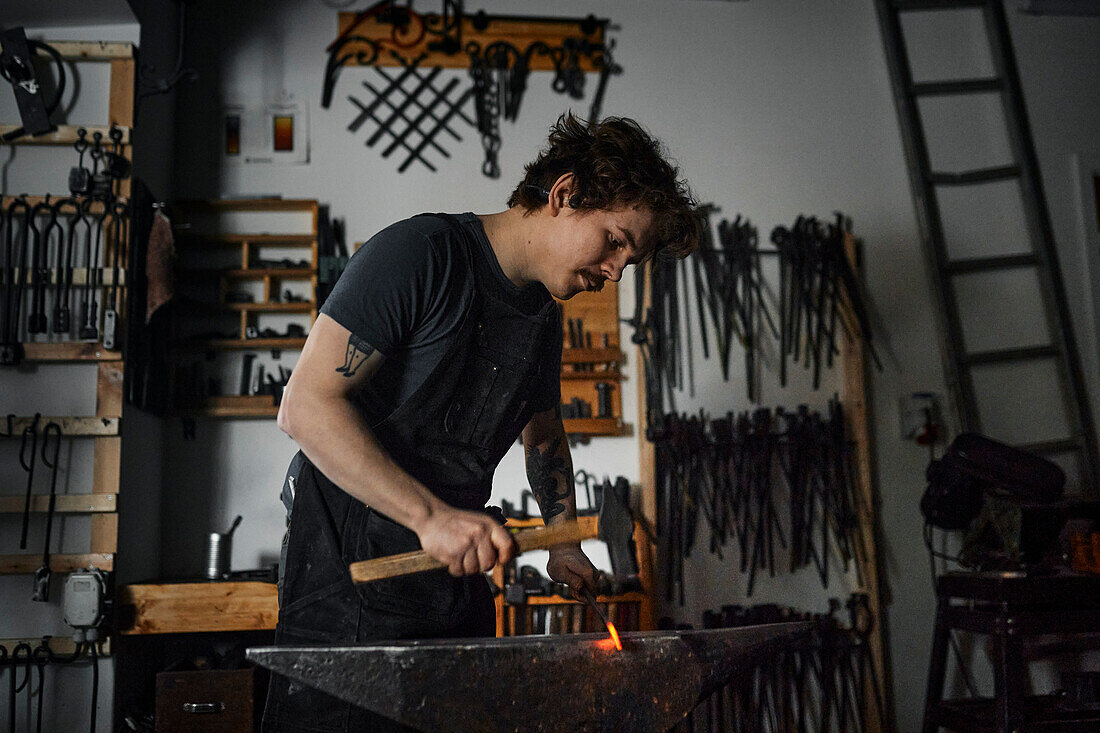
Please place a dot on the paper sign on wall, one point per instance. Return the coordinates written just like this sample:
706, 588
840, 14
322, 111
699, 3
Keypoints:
276, 132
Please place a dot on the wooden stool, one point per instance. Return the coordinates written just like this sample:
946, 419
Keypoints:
1009, 607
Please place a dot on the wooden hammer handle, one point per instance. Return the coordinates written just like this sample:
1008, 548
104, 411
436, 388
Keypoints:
407, 563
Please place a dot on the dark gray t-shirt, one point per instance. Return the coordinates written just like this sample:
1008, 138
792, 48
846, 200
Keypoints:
405, 291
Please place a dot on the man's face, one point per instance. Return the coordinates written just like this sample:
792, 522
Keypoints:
593, 246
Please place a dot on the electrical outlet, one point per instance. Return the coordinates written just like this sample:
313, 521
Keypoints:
920, 417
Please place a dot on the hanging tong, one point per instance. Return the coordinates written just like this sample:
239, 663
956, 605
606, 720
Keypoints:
11, 348
27, 458
40, 274
62, 321
42, 575
119, 239
89, 329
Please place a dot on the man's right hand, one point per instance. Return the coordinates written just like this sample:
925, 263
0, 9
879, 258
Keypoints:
466, 542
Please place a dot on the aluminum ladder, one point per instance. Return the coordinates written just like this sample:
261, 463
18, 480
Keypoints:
1055, 352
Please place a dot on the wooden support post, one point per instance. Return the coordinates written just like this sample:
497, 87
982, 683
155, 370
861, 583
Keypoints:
856, 413
647, 464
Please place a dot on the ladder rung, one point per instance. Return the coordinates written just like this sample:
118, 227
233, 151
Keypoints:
1048, 447
962, 86
904, 5
983, 264
1002, 355
982, 175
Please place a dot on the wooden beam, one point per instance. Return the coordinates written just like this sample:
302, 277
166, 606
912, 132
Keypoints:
60, 645
70, 426
23, 564
518, 31
63, 504
92, 50
66, 135
105, 276
258, 204
120, 107
178, 608
69, 351
104, 535
95, 207
856, 413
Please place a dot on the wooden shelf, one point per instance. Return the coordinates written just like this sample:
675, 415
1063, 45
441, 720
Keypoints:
60, 645
262, 344
593, 356
227, 406
69, 351
516, 30
96, 427
257, 204
223, 278
64, 503
612, 375
260, 273
268, 307
588, 523
259, 240
93, 50
66, 135
632, 597
28, 563
605, 426
183, 608
95, 207
106, 276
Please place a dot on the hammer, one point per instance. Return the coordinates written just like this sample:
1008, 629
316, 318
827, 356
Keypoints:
407, 563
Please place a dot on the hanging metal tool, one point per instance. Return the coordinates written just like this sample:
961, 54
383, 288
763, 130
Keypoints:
17, 68
62, 313
119, 241
17, 239
27, 458
50, 459
89, 328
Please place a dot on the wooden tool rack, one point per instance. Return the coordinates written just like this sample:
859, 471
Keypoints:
854, 400
102, 428
599, 360
198, 243
625, 610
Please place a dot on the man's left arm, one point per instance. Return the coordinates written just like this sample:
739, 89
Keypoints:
550, 472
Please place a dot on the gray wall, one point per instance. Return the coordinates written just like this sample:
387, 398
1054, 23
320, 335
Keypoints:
772, 109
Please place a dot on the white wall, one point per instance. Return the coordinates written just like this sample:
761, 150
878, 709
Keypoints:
772, 108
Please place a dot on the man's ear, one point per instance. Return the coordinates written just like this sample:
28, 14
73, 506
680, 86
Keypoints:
562, 194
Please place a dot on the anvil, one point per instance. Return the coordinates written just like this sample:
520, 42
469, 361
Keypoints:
573, 682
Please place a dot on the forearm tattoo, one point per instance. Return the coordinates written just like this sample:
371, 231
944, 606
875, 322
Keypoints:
550, 477
357, 352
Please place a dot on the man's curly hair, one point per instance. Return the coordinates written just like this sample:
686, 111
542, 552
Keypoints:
615, 163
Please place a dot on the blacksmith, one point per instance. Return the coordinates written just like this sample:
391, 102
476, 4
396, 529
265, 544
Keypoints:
441, 343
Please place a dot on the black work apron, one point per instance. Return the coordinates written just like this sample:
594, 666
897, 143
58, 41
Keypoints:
450, 435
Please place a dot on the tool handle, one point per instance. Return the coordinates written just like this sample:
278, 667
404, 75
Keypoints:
407, 563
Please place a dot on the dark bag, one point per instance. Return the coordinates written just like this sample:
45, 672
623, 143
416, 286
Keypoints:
975, 464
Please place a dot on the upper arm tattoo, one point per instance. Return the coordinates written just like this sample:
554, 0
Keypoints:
357, 352
551, 480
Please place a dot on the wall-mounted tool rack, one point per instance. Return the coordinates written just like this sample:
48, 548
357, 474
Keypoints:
103, 427
597, 362
362, 38
625, 610
855, 399
246, 269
